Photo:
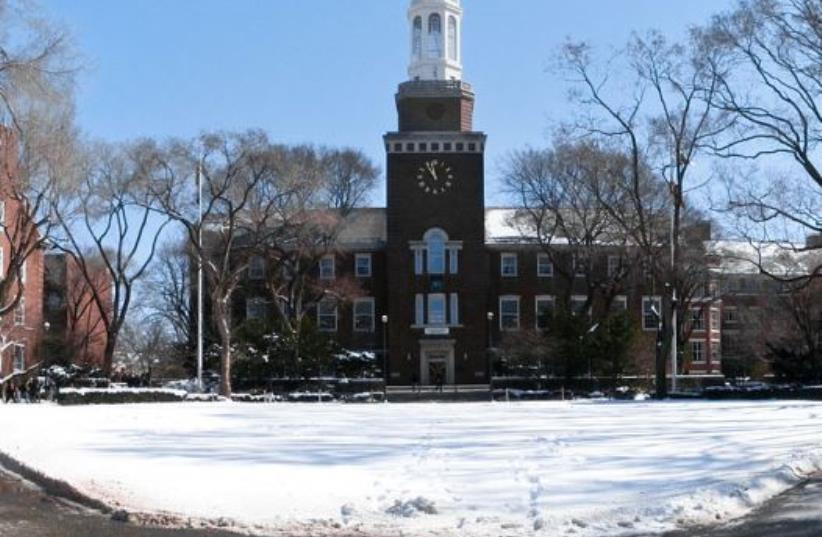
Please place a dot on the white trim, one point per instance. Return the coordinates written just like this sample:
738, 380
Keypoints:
323, 274
549, 273
20, 312
453, 309
319, 315
505, 298
364, 300
508, 255
419, 309
620, 299
357, 258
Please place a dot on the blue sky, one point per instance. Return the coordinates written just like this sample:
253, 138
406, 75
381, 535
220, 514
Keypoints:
325, 71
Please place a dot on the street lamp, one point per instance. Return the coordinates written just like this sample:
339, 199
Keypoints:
590, 357
490, 316
384, 320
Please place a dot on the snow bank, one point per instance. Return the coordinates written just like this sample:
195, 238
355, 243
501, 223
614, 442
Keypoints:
535, 468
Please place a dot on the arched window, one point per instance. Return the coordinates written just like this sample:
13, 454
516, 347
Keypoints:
435, 36
416, 45
452, 38
435, 244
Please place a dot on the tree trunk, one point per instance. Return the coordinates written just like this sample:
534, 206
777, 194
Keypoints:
222, 318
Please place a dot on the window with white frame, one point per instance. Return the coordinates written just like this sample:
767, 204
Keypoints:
543, 311
545, 268
362, 265
364, 314
436, 309
578, 304
509, 312
508, 265
327, 315
698, 351
255, 308
714, 318
19, 362
435, 245
454, 309
453, 260
327, 268
614, 266
619, 304
256, 268
716, 353
651, 310
697, 319
20, 312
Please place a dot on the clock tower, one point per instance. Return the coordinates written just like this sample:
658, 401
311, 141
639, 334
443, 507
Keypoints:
437, 262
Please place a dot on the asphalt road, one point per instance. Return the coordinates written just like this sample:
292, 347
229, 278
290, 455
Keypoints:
796, 513
25, 511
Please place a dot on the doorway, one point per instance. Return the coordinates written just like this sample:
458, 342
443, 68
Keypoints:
437, 366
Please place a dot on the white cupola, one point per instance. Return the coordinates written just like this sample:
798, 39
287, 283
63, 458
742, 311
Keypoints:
436, 27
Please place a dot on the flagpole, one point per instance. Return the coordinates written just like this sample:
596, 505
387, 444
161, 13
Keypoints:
200, 277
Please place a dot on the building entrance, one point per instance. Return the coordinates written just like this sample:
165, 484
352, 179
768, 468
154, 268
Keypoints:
437, 365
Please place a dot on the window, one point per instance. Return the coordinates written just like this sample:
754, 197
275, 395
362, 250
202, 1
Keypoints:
509, 312
416, 44
698, 351
19, 358
434, 36
714, 316
544, 310
255, 308
452, 38
578, 304
731, 315
508, 265
716, 354
327, 316
327, 268
419, 310
697, 319
435, 242
614, 266
256, 268
436, 309
579, 263
620, 304
362, 265
651, 311
545, 269
454, 309
20, 312
453, 260
364, 315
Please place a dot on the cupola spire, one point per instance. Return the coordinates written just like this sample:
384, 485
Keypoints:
436, 33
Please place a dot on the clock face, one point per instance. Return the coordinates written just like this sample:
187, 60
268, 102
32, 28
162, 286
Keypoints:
435, 177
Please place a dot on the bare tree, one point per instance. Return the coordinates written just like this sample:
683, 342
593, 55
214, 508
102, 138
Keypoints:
110, 222
37, 70
662, 125
773, 94
171, 289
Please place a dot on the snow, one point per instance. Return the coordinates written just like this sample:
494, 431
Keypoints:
531, 468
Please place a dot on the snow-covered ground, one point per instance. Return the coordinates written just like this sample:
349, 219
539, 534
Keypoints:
543, 468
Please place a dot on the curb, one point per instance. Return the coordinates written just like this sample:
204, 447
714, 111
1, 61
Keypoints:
53, 487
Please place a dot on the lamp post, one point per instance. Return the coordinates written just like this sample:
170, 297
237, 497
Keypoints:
384, 320
490, 316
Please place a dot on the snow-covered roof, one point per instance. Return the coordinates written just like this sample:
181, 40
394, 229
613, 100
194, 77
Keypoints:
745, 257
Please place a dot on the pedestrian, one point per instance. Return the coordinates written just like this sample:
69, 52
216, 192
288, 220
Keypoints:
34, 390
415, 382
